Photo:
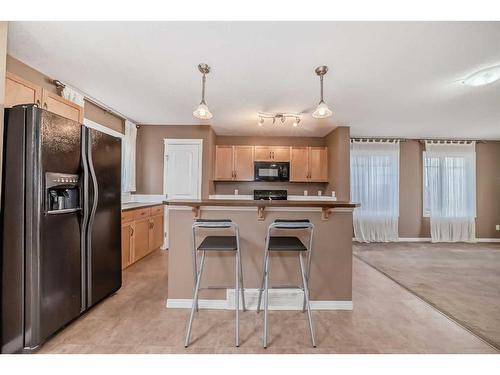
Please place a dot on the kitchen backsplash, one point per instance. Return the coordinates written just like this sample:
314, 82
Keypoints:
293, 188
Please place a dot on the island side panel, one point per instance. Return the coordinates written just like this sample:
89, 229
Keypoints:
331, 269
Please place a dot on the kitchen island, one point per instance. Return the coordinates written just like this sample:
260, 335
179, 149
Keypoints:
331, 265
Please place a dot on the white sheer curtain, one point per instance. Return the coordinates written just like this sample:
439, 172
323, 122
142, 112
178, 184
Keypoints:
128, 157
375, 185
450, 190
73, 95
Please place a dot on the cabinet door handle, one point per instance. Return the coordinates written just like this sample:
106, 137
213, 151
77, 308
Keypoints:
131, 232
45, 105
38, 102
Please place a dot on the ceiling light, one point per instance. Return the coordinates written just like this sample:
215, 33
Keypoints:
282, 116
483, 77
202, 112
322, 110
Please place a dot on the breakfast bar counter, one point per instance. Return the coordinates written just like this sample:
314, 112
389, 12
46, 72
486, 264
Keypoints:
331, 264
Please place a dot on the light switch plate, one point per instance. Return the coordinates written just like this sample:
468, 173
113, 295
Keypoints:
497, 227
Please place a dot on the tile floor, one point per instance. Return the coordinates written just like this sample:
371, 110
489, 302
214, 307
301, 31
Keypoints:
386, 319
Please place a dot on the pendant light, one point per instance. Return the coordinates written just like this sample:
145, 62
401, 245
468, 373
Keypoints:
322, 110
202, 112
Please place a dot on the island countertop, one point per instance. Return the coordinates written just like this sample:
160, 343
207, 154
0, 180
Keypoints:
261, 203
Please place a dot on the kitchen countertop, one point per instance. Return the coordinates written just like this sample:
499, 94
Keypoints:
135, 205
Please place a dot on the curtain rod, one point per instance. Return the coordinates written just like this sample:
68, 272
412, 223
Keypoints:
378, 139
60, 85
440, 140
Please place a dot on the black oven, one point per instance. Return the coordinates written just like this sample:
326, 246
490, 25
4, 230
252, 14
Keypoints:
271, 171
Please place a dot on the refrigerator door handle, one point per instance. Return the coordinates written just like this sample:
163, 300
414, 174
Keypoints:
85, 219
93, 210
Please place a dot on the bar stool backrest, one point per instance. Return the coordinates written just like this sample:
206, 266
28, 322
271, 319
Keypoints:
292, 224
214, 223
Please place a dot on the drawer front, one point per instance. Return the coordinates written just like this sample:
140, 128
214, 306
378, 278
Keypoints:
127, 216
142, 213
157, 210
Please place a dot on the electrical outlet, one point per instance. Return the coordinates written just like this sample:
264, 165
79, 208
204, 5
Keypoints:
497, 227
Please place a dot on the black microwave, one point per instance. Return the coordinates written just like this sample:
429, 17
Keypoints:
271, 171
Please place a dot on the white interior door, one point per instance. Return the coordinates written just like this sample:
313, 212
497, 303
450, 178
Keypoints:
182, 175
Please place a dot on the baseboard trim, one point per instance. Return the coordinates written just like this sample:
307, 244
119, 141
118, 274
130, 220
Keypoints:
428, 239
488, 239
279, 299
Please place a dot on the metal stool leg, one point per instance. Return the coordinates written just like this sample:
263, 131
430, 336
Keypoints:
266, 297
237, 297
195, 267
259, 301
238, 254
306, 296
195, 299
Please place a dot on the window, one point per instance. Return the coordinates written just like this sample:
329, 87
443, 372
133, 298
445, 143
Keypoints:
375, 185
449, 190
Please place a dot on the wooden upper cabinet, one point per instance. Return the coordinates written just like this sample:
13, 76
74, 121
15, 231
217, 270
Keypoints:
281, 153
62, 107
234, 163
299, 164
309, 164
263, 153
19, 91
243, 157
224, 163
272, 153
318, 164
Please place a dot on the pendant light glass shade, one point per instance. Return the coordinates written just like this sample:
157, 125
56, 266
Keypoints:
322, 111
202, 112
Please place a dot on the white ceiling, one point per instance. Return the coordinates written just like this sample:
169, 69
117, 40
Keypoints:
385, 78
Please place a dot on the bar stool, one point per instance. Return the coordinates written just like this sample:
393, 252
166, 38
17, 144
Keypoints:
283, 243
216, 243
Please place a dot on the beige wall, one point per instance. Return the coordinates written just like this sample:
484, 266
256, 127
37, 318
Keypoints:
150, 155
411, 222
91, 111
271, 141
339, 163
103, 117
3, 55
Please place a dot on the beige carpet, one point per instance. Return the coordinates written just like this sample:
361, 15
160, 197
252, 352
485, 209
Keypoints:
461, 280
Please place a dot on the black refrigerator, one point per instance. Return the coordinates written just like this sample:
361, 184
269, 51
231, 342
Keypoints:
59, 224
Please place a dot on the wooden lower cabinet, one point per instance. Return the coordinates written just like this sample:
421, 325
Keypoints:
141, 239
142, 233
127, 244
155, 232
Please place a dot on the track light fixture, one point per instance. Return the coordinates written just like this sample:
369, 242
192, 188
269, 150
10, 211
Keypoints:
280, 116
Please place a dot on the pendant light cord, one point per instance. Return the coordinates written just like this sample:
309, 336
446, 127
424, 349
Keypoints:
203, 80
321, 82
